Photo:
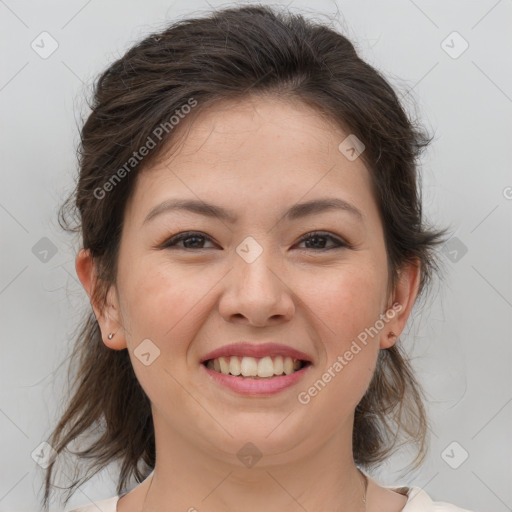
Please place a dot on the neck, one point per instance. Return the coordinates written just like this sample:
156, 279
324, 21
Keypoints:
186, 477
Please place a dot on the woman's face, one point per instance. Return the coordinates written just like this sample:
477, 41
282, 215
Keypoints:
249, 278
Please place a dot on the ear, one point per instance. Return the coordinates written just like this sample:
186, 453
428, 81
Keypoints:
402, 300
108, 318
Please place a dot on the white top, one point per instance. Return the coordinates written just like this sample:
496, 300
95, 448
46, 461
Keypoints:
418, 501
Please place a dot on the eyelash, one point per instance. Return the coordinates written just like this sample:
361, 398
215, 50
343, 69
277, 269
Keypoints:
171, 242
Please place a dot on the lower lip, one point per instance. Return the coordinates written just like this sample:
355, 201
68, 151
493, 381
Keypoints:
254, 387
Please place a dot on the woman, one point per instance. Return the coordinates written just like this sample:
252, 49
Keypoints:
253, 245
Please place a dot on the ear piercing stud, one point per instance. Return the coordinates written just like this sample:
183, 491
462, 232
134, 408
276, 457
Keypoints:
110, 336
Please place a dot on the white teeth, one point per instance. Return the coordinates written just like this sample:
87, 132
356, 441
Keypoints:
234, 366
288, 365
249, 367
265, 367
278, 365
224, 365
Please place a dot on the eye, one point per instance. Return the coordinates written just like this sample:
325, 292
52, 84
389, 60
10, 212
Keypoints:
317, 236
195, 240
194, 236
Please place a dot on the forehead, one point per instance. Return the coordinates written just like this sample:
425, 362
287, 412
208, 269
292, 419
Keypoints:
256, 151
242, 127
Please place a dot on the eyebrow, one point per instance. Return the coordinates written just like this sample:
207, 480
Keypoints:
211, 210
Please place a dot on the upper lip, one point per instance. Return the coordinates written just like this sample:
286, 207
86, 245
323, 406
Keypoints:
259, 350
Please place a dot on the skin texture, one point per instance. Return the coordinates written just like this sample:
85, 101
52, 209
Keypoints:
257, 158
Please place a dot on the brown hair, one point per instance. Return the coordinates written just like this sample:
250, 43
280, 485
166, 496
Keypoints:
229, 54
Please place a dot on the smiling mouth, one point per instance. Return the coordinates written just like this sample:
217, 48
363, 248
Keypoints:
255, 368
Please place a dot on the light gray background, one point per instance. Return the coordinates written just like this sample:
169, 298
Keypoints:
460, 339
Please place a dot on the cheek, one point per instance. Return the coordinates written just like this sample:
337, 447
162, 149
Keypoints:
160, 301
346, 306
348, 300
162, 305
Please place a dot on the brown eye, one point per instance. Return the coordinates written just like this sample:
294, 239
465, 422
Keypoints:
191, 240
318, 239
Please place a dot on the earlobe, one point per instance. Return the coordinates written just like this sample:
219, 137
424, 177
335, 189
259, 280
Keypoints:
108, 318
392, 338
115, 344
404, 297
111, 328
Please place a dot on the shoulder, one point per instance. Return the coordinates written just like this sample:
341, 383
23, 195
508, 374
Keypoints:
419, 501
107, 505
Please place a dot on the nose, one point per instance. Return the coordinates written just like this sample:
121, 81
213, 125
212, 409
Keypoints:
256, 293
